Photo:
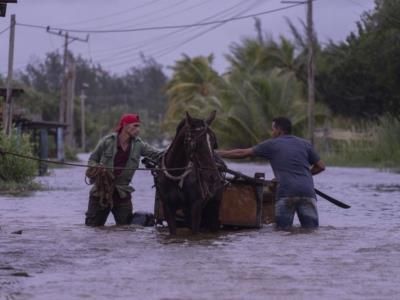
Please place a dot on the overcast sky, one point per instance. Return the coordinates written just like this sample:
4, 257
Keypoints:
116, 52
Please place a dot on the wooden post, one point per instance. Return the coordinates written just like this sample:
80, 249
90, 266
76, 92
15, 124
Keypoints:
83, 129
69, 134
64, 86
7, 107
60, 144
68, 87
259, 31
310, 66
310, 71
43, 151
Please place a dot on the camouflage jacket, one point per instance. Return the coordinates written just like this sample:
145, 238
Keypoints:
104, 154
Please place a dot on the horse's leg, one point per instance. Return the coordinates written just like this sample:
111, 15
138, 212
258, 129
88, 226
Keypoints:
196, 211
170, 217
212, 212
187, 215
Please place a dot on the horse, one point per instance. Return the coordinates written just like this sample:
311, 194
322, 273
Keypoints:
190, 179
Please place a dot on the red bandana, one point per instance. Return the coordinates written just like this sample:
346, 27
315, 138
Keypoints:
127, 119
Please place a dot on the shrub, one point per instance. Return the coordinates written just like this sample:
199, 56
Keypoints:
382, 150
13, 168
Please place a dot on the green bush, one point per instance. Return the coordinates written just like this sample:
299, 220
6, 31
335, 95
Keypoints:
382, 150
71, 154
13, 168
387, 145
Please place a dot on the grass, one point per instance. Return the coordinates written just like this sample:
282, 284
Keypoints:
18, 188
381, 151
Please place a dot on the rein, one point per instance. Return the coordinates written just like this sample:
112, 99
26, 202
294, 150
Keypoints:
194, 164
179, 178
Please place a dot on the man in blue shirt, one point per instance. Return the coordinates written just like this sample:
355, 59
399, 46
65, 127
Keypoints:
293, 161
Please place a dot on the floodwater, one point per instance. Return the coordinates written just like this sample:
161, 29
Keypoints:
47, 253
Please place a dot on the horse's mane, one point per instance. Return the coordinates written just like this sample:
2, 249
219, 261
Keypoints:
180, 126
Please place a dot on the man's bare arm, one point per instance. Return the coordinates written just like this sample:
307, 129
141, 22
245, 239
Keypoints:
236, 153
318, 167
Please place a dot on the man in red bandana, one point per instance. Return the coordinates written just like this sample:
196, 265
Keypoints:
117, 156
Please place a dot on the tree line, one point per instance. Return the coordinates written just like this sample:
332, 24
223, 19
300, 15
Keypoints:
357, 80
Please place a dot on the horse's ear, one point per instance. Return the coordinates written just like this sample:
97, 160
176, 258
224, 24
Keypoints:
188, 118
211, 117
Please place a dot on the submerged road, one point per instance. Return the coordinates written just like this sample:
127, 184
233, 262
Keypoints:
47, 253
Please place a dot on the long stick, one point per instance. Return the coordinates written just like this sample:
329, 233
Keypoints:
318, 192
332, 200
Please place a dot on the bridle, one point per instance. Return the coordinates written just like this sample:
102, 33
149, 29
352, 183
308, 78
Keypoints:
192, 138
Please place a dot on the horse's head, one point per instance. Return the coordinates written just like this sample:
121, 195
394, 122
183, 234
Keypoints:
200, 140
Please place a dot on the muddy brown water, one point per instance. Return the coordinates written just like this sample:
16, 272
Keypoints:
47, 253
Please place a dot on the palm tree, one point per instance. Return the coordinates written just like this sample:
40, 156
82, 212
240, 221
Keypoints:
193, 88
283, 56
251, 104
249, 56
264, 82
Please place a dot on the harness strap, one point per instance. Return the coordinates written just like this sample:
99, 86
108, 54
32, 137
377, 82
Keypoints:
179, 178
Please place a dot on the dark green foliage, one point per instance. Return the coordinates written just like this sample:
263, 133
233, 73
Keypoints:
360, 78
108, 96
16, 169
381, 148
45, 77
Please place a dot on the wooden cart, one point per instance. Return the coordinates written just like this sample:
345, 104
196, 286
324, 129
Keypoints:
247, 203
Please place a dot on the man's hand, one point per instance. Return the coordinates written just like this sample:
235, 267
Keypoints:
93, 171
318, 167
236, 153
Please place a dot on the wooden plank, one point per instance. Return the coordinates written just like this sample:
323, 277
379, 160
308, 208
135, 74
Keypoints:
241, 205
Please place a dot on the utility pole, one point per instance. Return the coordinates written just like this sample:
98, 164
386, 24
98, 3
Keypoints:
63, 99
257, 25
7, 107
310, 67
311, 71
68, 85
69, 109
83, 121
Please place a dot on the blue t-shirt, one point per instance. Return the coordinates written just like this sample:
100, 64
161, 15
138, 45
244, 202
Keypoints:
290, 158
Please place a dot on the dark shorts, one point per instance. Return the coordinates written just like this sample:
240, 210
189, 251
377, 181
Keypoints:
96, 215
305, 207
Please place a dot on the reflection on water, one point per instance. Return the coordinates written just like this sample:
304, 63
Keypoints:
47, 253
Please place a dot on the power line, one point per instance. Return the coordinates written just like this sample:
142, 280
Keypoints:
357, 3
144, 16
147, 43
166, 27
130, 47
32, 26
123, 59
4, 30
180, 28
174, 45
113, 14
201, 3
199, 34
